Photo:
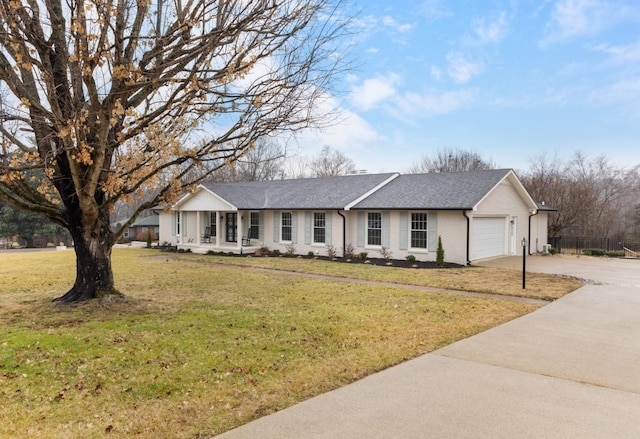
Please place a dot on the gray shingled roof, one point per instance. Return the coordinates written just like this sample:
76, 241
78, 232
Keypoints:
147, 221
306, 193
447, 190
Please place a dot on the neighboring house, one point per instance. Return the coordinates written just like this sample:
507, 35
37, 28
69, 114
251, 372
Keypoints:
480, 214
139, 229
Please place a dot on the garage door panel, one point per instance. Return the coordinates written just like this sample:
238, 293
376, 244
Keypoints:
488, 237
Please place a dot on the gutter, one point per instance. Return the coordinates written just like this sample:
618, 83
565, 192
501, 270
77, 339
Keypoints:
535, 212
464, 212
344, 233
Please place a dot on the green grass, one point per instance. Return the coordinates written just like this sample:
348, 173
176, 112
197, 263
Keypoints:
476, 279
202, 348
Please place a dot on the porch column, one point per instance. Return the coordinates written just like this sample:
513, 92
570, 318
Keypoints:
239, 221
198, 215
218, 221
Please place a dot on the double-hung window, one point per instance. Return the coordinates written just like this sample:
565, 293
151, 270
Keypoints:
319, 227
419, 230
286, 226
254, 227
374, 228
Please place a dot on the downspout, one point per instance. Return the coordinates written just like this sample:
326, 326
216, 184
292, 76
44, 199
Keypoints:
529, 237
464, 212
344, 233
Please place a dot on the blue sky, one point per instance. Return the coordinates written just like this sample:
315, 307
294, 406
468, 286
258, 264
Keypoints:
509, 80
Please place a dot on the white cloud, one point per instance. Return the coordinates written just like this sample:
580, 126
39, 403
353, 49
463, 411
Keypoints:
628, 54
436, 73
374, 91
491, 31
622, 91
460, 69
433, 102
392, 23
347, 131
351, 134
352, 78
576, 18
434, 10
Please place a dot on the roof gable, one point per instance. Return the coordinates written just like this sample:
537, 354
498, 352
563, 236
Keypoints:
305, 193
203, 199
441, 191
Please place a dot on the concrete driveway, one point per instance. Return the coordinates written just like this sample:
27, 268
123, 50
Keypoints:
608, 271
568, 370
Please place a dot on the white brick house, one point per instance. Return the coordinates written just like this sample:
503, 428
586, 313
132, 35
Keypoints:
478, 215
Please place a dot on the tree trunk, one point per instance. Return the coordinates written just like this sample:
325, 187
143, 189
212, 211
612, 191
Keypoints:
94, 274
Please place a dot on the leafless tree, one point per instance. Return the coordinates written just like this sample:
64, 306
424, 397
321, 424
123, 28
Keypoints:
327, 163
330, 162
297, 166
264, 162
451, 160
591, 196
124, 96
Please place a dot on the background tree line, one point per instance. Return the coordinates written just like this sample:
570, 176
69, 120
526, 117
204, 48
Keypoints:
592, 196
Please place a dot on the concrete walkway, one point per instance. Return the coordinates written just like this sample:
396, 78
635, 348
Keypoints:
568, 370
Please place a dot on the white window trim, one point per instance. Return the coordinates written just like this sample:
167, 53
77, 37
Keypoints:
410, 229
313, 229
366, 231
290, 226
257, 214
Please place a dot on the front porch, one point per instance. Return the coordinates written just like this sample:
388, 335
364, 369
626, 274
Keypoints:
227, 247
228, 231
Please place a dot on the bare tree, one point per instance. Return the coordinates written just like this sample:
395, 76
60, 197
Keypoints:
124, 96
297, 166
451, 160
591, 196
264, 162
330, 162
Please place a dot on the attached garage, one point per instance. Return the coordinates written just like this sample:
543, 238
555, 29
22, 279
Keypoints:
488, 237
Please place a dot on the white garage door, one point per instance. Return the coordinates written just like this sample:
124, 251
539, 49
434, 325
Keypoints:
487, 237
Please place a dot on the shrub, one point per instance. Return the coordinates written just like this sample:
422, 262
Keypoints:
594, 252
348, 251
263, 251
331, 252
385, 253
411, 259
290, 249
440, 253
553, 250
363, 255
275, 252
310, 254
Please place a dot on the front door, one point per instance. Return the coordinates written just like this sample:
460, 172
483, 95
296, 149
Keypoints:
232, 227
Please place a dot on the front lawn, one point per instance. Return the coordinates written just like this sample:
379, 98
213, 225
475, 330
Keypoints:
201, 348
476, 279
